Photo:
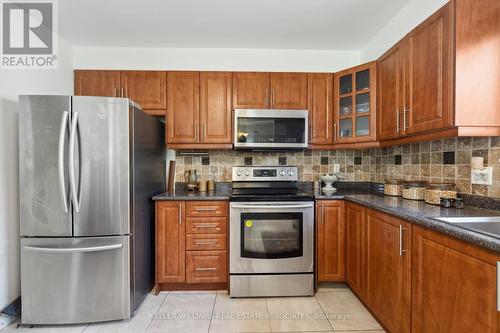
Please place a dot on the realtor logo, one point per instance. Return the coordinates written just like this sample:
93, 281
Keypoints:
28, 34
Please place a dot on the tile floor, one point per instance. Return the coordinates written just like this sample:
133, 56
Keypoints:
333, 309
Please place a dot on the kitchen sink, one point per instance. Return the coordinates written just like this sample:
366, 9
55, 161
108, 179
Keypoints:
488, 225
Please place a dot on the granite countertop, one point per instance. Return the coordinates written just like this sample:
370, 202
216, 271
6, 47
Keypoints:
417, 212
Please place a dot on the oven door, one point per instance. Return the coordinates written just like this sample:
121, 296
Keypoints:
271, 237
270, 129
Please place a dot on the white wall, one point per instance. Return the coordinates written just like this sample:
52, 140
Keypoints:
213, 59
408, 18
13, 83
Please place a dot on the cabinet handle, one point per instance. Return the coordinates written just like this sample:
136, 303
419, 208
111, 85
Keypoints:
498, 285
205, 242
180, 214
266, 98
322, 215
202, 269
204, 132
405, 111
196, 132
122, 94
310, 132
397, 121
207, 225
272, 98
208, 209
401, 234
334, 132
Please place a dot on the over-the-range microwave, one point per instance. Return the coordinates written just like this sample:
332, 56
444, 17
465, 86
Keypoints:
270, 129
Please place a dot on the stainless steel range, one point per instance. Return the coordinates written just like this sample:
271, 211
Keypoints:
271, 234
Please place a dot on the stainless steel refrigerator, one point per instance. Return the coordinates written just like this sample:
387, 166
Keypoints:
88, 169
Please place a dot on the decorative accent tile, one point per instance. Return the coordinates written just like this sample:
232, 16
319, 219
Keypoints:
205, 161
357, 160
248, 160
282, 160
449, 157
324, 160
398, 160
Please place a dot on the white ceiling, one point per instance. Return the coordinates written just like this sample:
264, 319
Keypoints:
270, 24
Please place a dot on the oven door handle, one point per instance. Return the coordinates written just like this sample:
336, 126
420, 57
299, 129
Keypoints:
271, 206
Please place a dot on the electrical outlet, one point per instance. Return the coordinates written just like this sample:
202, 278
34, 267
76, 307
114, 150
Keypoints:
482, 176
336, 168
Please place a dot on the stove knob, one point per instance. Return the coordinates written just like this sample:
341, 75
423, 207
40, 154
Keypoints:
238, 173
247, 173
282, 173
290, 172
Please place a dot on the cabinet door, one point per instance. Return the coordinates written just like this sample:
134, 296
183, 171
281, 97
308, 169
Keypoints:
148, 88
390, 85
388, 281
289, 91
355, 245
170, 242
183, 107
330, 243
429, 60
320, 106
215, 107
355, 104
453, 285
251, 90
97, 83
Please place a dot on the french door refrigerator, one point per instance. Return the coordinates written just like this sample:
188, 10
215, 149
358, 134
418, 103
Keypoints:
88, 169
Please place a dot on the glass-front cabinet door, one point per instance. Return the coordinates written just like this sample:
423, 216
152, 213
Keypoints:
355, 104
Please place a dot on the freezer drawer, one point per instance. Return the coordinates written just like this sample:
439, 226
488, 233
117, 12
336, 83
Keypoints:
76, 280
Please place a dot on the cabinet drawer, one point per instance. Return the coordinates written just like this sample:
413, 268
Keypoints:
206, 208
206, 267
206, 225
205, 242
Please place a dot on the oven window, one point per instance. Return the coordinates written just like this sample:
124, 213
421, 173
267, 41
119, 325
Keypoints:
271, 235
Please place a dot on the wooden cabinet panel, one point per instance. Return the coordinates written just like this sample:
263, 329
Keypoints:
170, 242
148, 88
429, 61
388, 260
320, 106
216, 107
390, 94
97, 83
453, 285
205, 242
330, 240
288, 91
206, 267
251, 91
206, 225
183, 107
355, 246
206, 208
355, 99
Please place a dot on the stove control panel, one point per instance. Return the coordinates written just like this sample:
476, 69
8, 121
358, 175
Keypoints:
265, 173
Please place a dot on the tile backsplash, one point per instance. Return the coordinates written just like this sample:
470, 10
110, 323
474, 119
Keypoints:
439, 160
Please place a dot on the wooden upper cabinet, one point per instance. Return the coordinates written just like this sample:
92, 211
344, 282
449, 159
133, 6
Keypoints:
97, 83
170, 241
216, 107
355, 246
390, 93
148, 88
320, 106
453, 285
183, 107
429, 81
355, 104
330, 240
388, 260
288, 91
251, 91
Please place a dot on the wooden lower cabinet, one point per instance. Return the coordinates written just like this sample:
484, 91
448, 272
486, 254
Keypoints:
330, 240
355, 247
453, 285
191, 244
206, 266
170, 242
388, 260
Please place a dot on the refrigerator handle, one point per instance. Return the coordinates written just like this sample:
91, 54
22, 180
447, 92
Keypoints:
60, 153
72, 180
73, 249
